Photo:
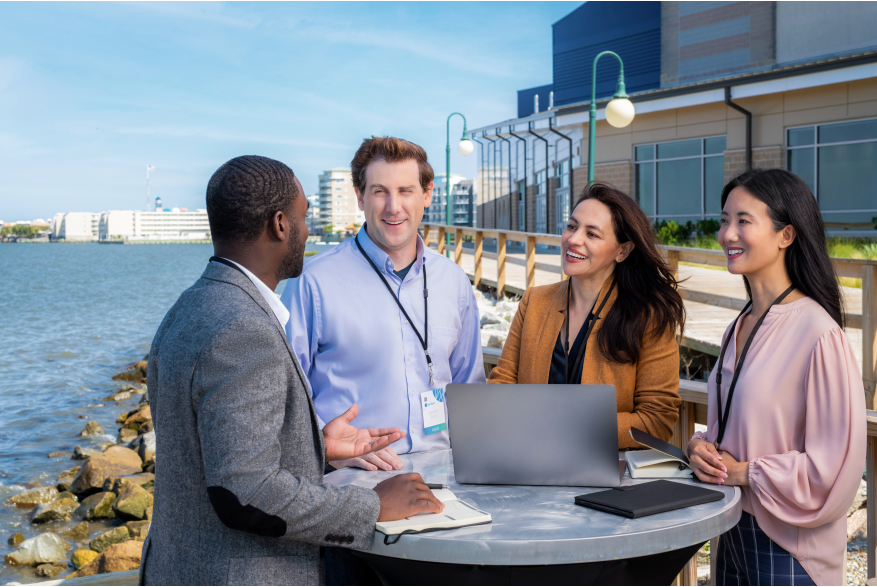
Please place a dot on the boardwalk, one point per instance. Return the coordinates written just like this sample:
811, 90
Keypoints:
705, 323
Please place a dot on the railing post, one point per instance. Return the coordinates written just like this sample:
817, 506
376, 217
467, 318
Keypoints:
426, 236
500, 265
479, 253
458, 246
871, 497
441, 240
531, 262
869, 332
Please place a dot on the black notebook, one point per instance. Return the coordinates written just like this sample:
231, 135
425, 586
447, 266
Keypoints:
646, 499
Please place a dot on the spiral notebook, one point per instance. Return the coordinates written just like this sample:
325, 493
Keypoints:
457, 514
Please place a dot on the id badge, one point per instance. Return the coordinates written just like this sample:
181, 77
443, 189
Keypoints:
433, 405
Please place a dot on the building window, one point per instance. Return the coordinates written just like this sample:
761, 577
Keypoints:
522, 198
839, 164
541, 193
561, 196
680, 180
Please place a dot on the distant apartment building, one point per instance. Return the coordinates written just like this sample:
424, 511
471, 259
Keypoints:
313, 216
76, 226
338, 206
800, 76
163, 224
463, 201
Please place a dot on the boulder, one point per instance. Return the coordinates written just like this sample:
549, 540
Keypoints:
143, 444
82, 557
15, 539
132, 503
144, 480
34, 497
79, 533
492, 337
135, 420
59, 510
80, 454
126, 435
146, 427
859, 500
489, 317
139, 390
116, 558
66, 495
114, 536
857, 526
49, 570
92, 428
45, 548
63, 453
99, 505
115, 462
136, 373
138, 530
118, 397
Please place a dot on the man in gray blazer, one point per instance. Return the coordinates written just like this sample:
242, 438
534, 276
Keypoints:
239, 493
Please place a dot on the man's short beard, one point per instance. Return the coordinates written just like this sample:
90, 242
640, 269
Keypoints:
294, 262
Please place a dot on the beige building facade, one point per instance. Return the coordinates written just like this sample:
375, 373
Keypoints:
338, 207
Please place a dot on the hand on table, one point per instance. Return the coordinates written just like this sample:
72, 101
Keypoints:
706, 462
384, 460
405, 495
344, 441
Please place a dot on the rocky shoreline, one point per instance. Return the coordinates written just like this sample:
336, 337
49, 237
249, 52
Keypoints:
95, 516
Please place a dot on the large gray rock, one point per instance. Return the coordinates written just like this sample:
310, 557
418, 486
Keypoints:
99, 505
117, 461
34, 497
92, 428
143, 444
80, 454
488, 318
45, 548
56, 511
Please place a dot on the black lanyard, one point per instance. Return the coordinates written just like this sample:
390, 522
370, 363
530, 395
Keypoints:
590, 326
723, 416
424, 340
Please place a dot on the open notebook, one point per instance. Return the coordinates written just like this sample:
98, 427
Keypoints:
662, 461
456, 515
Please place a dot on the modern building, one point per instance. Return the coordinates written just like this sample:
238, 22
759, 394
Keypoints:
338, 206
715, 85
76, 226
313, 215
163, 224
463, 201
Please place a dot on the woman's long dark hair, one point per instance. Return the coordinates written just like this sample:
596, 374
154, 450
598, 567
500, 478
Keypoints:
790, 202
647, 295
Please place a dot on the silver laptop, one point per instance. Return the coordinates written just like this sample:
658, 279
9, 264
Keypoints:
503, 434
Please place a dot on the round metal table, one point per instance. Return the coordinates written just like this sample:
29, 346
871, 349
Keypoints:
538, 525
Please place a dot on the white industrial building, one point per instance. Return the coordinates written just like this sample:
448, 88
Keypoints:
173, 224
76, 226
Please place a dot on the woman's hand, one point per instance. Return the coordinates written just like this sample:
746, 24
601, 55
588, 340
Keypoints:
738, 473
706, 462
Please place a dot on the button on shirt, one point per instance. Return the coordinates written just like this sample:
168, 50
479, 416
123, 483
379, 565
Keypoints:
270, 297
357, 347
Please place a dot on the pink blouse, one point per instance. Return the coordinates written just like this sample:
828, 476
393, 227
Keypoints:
798, 417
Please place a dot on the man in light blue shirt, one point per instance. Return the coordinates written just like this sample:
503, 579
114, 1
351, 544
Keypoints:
359, 345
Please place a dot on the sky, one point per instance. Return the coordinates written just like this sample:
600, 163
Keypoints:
92, 93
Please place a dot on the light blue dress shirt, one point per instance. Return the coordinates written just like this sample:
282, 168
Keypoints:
356, 346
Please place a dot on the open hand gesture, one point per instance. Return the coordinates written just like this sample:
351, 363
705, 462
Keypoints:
344, 441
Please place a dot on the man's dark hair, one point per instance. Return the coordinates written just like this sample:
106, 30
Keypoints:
244, 194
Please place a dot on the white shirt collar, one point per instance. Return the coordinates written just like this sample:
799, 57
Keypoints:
270, 297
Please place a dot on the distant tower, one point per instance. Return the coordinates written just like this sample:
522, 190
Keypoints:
158, 204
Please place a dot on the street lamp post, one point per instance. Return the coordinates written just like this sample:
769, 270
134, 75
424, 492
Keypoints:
619, 111
465, 148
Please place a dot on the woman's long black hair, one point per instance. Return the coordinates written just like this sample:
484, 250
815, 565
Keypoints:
647, 296
790, 202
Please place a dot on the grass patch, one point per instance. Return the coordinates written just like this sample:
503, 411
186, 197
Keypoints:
310, 253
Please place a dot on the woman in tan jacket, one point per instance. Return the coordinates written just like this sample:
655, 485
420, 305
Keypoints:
619, 307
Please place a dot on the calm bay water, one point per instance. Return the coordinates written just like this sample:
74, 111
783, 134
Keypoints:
72, 316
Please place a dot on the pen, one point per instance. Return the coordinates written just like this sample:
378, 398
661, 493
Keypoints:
436, 486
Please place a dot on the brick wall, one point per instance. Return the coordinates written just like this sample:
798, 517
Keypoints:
762, 157
618, 173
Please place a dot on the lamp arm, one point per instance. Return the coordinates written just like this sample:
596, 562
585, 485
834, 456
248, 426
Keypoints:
592, 114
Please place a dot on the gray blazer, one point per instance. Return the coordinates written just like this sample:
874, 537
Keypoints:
239, 493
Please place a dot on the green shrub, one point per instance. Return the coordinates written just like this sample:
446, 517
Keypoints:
672, 233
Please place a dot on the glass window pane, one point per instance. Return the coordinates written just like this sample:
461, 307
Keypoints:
679, 149
713, 182
645, 187
645, 153
848, 177
801, 136
848, 131
715, 145
679, 189
802, 164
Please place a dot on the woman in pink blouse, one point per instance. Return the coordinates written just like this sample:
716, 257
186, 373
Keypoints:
786, 417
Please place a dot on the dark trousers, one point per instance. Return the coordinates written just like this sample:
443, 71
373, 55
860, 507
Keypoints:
748, 557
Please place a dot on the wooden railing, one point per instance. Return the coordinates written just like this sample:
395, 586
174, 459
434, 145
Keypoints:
693, 411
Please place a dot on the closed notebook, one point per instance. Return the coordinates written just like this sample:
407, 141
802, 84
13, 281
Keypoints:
646, 499
457, 514
661, 461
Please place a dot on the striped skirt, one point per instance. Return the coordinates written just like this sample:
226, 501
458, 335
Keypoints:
746, 556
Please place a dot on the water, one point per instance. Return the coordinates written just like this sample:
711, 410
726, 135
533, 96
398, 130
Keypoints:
71, 317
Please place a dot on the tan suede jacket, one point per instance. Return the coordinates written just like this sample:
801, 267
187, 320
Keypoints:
647, 391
